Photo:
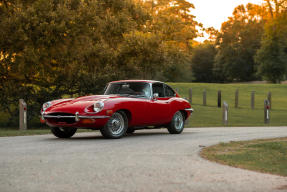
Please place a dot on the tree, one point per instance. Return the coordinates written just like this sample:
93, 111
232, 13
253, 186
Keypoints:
177, 64
202, 62
49, 48
275, 7
272, 56
55, 48
140, 55
238, 42
172, 21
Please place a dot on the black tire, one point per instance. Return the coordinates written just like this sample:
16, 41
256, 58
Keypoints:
176, 125
130, 130
116, 127
63, 132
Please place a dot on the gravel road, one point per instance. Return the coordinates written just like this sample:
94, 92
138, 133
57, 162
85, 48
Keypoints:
148, 160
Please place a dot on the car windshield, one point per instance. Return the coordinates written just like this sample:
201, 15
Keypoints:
131, 89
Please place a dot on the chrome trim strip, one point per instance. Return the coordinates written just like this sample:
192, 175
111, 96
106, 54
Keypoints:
72, 116
58, 116
190, 109
93, 117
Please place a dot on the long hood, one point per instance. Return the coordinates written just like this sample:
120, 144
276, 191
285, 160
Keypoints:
78, 104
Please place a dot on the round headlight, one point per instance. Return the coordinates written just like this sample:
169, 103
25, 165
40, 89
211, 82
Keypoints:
46, 105
98, 106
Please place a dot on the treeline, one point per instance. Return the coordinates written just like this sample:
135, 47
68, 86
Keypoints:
252, 45
55, 48
52, 48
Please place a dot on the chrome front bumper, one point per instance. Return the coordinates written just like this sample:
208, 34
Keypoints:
77, 117
190, 110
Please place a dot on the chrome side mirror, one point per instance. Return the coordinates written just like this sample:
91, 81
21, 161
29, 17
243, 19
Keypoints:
155, 96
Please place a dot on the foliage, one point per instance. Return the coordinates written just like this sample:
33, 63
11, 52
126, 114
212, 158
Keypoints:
238, 42
51, 48
272, 56
140, 55
177, 64
202, 62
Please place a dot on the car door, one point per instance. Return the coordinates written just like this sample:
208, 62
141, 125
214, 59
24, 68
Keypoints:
159, 108
170, 95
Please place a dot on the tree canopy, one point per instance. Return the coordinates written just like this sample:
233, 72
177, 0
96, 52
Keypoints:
272, 55
238, 42
52, 48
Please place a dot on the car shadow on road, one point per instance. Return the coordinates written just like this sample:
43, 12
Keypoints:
100, 137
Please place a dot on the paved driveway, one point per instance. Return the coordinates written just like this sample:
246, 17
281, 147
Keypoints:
149, 160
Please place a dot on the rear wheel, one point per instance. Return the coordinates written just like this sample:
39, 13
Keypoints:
177, 123
116, 127
63, 132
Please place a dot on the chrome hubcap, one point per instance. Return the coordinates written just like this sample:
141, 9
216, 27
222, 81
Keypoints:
178, 121
117, 124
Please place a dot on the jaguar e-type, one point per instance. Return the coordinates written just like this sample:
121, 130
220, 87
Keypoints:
126, 106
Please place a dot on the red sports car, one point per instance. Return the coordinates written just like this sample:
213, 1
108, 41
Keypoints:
125, 106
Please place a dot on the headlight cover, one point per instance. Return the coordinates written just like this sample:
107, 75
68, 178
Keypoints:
46, 105
98, 106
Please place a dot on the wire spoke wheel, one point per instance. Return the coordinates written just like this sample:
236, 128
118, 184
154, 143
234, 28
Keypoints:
176, 126
117, 123
178, 121
116, 127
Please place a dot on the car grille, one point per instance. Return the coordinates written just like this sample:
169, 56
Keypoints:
67, 120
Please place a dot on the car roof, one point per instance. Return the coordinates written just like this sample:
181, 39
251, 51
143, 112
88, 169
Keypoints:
145, 81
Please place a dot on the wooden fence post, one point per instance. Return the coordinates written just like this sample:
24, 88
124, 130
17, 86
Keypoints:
269, 99
22, 115
204, 97
266, 111
236, 98
252, 99
190, 95
225, 113
219, 99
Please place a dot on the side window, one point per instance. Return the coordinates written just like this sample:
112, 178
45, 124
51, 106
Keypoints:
158, 88
168, 91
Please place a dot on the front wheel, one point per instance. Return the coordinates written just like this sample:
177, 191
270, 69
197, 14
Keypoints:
63, 132
177, 123
116, 127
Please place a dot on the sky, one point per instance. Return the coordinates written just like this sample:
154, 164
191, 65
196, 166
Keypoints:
211, 13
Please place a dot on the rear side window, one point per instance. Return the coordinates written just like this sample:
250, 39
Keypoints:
169, 92
158, 88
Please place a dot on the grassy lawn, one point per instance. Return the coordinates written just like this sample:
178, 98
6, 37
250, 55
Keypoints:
210, 115
268, 156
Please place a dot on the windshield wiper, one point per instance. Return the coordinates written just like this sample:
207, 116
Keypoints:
137, 96
124, 95
129, 95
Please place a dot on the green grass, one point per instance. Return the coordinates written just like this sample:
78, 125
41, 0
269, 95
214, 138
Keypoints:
268, 156
211, 115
